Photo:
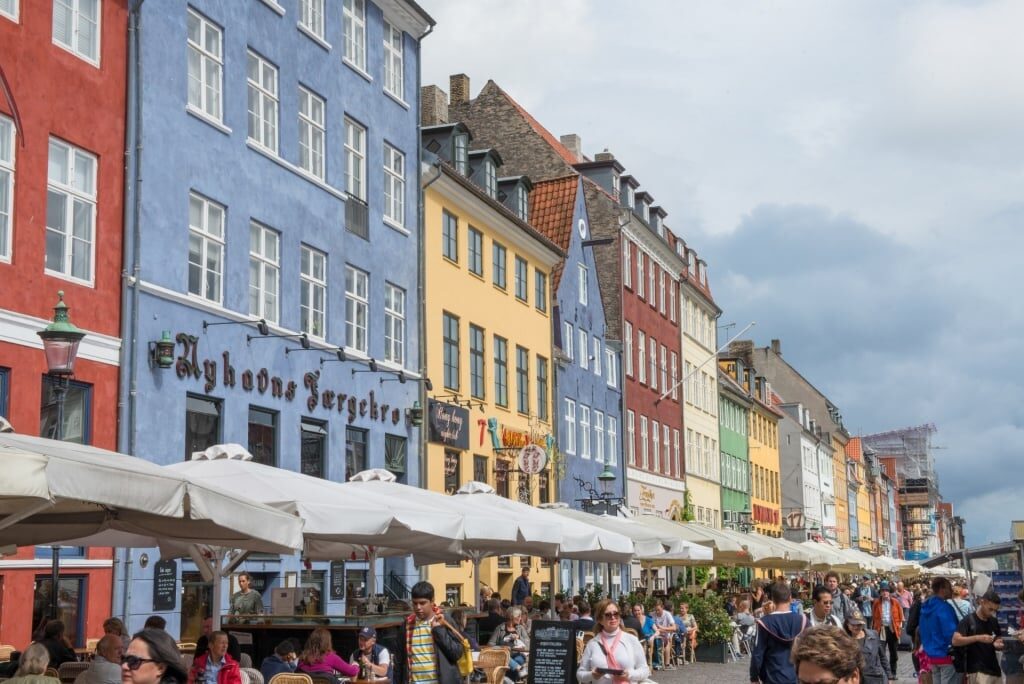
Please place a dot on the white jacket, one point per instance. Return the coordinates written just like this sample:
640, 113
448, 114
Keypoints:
629, 654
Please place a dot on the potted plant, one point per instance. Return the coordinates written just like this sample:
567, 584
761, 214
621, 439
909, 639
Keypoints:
714, 628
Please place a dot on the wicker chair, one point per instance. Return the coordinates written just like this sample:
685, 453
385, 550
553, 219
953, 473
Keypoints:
50, 672
493, 662
251, 675
291, 678
69, 671
245, 660
5, 652
187, 647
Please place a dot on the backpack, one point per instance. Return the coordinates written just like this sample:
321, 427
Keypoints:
959, 653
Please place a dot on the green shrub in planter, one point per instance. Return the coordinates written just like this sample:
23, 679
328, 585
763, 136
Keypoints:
713, 626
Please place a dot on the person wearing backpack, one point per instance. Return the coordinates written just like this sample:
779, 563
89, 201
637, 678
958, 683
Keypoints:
770, 662
979, 636
936, 627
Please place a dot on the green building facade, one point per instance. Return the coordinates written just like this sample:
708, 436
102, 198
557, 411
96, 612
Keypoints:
734, 405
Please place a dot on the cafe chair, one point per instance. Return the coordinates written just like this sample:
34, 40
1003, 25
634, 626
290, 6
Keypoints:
69, 671
91, 644
493, 662
245, 660
5, 652
50, 672
251, 675
187, 647
320, 678
291, 678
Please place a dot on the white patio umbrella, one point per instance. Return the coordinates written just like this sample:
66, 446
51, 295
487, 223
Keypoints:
725, 550
835, 558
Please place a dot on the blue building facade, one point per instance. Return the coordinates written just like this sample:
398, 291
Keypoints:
588, 382
272, 209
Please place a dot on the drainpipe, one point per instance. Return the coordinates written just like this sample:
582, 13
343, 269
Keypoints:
127, 382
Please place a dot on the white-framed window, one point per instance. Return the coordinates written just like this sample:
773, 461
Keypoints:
631, 436
205, 65
394, 324
311, 17
394, 185
652, 295
357, 308
313, 295
675, 376
665, 445
627, 263
653, 360
264, 271
312, 132
627, 350
567, 340
687, 382
584, 349
460, 152
394, 62
611, 372
7, 178
582, 284
205, 248
672, 300
76, 27
598, 436
355, 159
691, 455
597, 357
355, 33
522, 202
641, 355
661, 292
9, 9
645, 459
70, 211
664, 367
570, 426
639, 274
490, 178
262, 79
584, 431
676, 456
655, 446
613, 440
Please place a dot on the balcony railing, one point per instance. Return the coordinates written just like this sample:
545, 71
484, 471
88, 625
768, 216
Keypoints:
357, 217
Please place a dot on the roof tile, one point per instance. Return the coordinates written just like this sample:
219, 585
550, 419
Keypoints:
552, 204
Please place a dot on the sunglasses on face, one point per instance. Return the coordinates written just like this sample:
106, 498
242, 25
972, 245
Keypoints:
135, 662
612, 615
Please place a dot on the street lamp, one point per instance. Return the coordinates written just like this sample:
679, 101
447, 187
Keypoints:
60, 346
607, 480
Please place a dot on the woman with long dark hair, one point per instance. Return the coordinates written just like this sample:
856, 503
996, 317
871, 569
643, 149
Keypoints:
152, 658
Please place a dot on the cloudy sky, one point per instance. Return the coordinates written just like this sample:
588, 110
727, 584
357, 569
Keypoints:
853, 172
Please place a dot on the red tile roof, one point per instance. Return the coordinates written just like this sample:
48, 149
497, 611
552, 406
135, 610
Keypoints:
552, 204
555, 143
854, 449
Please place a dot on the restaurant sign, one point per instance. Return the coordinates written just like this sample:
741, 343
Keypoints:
449, 424
190, 364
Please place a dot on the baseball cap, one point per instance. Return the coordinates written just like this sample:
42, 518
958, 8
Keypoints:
367, 633
991, 596
856, 618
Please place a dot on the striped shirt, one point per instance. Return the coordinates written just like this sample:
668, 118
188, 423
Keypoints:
424, 670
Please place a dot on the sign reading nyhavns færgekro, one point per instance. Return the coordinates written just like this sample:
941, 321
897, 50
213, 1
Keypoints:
449, 424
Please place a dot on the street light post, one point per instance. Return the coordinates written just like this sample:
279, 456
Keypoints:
60, 346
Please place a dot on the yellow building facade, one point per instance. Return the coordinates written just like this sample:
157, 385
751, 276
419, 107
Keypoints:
765, 488
488, 329
841, 489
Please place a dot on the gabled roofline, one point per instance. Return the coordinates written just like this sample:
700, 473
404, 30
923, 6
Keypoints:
614, 163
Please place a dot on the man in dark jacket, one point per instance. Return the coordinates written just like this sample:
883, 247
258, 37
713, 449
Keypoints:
842, 606
281, 661
521, 587
57, 644
486, 625
770, 663
432, 646
936, 627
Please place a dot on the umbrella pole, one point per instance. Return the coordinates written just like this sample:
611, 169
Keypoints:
372, 558
476, 579
217, 568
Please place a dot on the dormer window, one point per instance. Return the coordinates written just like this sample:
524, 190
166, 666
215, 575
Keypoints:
615, 186
460, 152
630, 199
522, 203
490, 178
645, 211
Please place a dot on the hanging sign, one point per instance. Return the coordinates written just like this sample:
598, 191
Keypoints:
532, 459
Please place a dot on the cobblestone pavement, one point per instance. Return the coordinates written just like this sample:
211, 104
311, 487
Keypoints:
738, 672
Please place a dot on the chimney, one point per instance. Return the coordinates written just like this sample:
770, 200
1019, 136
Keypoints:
604, 156
458, 84
433, 106
574, 144
777, 347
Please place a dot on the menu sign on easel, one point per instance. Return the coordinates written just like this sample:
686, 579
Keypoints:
552, 652
165, 585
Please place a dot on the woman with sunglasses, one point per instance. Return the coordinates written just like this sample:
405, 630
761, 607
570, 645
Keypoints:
872, 648
152, 658
613, 655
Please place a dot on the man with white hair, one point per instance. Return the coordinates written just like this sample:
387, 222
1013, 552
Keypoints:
105, 667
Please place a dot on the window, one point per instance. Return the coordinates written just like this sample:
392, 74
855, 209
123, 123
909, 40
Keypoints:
500, 371
640, 274
583, 284
202, 423
542, 388
661, 292
9, 9
311, 132
522, 203
675, 376
450, 340
499, 257
672, 300
355, 159
567, 340
653, 360
651, 294
611, 371
665, 434
311, 17
76, 27
584, 431
476, 252
77, 423
644, 447
394, 185
540, 291
631, 437
477, 370
452, 477
394, 324
357, 287
205, 66
449, 236
205, 248
522, 275
598, 436
655, 446
355, 33
522, 380
313, 295
5, 392
70, 605
627, 264
612, 442
70, 211
502, 468
664, 368
627, 352
394, 68
262, 78
355, 451
584, 348
641, 353
596, 358
460, 152
6, 184
264, 271
490, 178
263, 436
570, 426
480, 469
544, 496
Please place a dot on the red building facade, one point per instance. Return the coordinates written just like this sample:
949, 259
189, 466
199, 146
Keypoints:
62, 138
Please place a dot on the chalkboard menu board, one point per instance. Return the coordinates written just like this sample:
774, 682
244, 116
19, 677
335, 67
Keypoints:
552, 652
165, 585
337, 580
